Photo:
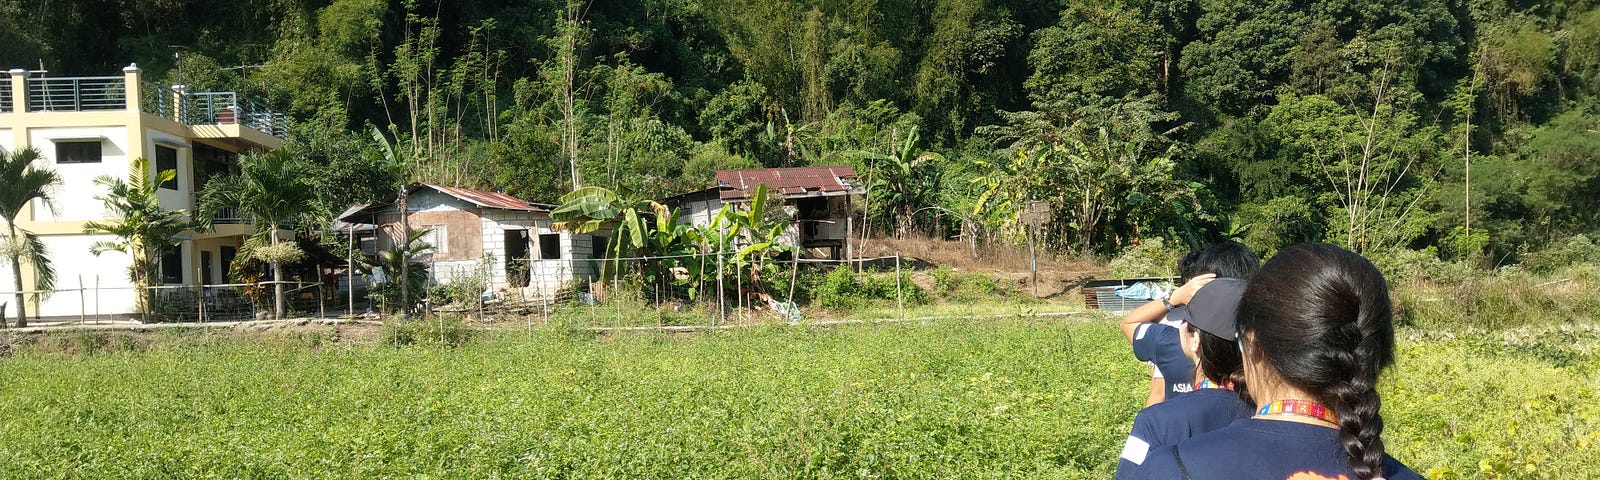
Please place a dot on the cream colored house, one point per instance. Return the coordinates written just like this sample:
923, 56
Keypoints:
85, 127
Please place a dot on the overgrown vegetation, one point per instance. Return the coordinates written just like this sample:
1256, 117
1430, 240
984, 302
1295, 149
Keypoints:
1190, 121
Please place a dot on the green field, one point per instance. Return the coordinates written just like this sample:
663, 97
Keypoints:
950, 399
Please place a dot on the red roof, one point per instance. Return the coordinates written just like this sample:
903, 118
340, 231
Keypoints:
485, 198
789, 182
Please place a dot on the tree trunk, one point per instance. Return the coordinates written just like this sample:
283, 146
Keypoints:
16, 273
277, 277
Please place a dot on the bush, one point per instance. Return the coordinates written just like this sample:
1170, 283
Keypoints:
964, 287
805, 282
1150, 258
446, 330
1403, 265
839, 290
1575, 250
843, 289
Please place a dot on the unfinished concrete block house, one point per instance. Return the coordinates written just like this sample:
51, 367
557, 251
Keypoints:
470, 229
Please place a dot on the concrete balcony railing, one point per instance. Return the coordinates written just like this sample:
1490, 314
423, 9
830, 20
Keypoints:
5, 97
129, 93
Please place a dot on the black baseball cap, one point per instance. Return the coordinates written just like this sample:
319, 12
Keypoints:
1214, 308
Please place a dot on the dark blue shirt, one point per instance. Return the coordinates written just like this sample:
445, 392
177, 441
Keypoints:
1158, 344
1167, 423
1261, 449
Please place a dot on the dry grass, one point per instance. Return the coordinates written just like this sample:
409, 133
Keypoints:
1058, 277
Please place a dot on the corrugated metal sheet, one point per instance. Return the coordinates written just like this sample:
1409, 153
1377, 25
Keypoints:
486, 199
790, 182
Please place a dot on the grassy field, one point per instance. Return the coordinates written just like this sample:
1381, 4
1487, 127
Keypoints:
945, 399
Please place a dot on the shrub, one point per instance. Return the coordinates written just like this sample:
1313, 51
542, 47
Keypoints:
1150, 258
964, 287
1402, 265
1575, 250
446, 330
843, 289
839, 290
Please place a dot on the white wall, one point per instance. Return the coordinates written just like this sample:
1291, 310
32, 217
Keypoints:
72, 260
6, 143
75, 198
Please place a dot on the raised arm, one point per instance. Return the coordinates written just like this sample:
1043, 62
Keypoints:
1154, 310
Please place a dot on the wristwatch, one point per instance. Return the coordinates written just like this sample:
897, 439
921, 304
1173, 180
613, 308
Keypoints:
1166, 303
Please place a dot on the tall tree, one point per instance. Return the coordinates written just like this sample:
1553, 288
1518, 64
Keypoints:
273, 189
144, 229
25, 183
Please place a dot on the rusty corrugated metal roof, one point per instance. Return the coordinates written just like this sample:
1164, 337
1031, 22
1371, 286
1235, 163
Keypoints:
789, 182
485, 198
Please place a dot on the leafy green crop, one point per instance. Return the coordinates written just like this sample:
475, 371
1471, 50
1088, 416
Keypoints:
1008, 398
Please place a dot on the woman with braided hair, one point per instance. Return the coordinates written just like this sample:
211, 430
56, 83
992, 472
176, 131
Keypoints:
1315, 329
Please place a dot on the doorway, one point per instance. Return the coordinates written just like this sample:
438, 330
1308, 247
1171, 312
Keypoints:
517, 257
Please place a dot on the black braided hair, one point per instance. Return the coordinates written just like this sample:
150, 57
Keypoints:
1321, 318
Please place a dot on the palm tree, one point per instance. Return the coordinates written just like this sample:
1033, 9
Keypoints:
24, 183
271, 189
145, 231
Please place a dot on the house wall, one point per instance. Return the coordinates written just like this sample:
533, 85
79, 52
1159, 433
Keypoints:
75, 197
70, 256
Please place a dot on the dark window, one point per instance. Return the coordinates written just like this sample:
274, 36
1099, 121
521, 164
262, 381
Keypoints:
227, 255
597, 247
167, 159
171, 268
78, 152
549, 246
205, 268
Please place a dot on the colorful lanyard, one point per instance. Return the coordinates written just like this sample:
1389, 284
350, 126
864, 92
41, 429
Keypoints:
1300, 407
1207, 383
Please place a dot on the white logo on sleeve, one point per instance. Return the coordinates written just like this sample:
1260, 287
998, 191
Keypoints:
1135, 450
1139, 333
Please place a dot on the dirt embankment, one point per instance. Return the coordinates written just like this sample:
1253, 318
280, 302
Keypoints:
1059, 278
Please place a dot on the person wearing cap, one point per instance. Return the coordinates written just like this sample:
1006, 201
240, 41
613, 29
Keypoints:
1209, 340
1154, 335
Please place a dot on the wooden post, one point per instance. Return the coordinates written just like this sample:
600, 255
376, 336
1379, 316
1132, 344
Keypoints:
1033, 264
722, 308
849, 230
899, 290
794, 275
350, 273
80, 300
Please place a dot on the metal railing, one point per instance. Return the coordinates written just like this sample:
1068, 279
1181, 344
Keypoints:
71, 94
229, 216
223, 216
5, 95
229, 108
157, 100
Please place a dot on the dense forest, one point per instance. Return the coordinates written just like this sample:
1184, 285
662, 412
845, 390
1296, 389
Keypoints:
1466, 128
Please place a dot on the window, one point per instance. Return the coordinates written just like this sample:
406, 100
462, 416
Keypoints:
167, 159
437, 237
78, 152
597, 247
549, 246
227, 254
172, 267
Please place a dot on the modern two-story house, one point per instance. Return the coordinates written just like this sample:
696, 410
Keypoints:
85, 127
